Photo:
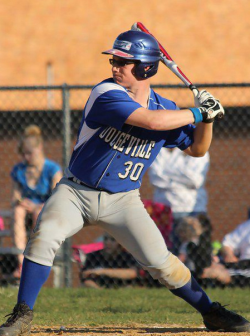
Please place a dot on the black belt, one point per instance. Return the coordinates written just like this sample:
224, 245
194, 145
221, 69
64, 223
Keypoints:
76, 180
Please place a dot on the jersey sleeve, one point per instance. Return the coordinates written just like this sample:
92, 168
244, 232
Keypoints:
187, 137
183, 137
111, 107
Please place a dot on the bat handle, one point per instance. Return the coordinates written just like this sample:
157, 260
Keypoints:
194, 89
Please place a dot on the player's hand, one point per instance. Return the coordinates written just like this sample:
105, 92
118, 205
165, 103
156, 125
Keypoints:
212, 110
201, 97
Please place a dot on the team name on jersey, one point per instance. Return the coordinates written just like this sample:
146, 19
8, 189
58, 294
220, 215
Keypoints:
127, 143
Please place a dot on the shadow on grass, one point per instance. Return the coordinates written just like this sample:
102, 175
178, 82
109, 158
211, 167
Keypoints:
117, 330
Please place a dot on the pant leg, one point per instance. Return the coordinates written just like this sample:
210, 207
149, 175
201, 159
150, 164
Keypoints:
123, 215
61, 217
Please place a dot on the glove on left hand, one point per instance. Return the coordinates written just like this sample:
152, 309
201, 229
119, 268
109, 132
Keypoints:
201, 97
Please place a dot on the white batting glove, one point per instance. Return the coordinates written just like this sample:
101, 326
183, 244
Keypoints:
202, 97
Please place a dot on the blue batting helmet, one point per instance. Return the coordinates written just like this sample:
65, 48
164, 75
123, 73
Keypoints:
138, 46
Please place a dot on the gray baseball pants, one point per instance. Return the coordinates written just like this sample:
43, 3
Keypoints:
73, 206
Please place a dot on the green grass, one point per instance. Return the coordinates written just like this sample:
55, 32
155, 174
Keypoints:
88, 307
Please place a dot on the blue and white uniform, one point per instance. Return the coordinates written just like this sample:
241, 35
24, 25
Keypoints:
101, 185
111, 155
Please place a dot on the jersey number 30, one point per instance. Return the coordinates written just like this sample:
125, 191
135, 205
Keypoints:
133, 171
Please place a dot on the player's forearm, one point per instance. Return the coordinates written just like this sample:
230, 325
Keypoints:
160, 120
168, 120
202, 140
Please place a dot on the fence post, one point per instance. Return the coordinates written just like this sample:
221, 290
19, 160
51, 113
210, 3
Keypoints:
66, 158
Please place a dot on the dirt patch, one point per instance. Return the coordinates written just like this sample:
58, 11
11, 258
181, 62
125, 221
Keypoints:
128, 331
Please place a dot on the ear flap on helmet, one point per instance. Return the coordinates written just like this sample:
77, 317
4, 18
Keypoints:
141, 72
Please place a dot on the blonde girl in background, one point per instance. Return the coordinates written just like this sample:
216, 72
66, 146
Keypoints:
33, 180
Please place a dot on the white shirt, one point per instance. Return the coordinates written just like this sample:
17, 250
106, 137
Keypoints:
179, 180
239, 240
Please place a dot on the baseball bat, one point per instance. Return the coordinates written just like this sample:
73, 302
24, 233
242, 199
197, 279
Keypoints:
169, 62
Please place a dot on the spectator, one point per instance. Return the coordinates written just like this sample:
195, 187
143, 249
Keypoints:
235, 253
236, 244
179, 181
162, 216
33, 180
110, 267
196, 251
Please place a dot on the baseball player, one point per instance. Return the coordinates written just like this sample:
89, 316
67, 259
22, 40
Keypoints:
124, 126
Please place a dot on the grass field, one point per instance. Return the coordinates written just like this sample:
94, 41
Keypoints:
122, 308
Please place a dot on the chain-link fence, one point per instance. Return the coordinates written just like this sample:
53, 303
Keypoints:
57, 110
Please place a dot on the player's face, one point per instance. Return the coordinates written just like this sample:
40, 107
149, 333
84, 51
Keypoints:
123, 71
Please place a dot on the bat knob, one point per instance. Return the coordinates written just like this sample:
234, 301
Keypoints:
135, 27
219, 116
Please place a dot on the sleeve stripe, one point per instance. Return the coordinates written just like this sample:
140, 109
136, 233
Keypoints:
98, 91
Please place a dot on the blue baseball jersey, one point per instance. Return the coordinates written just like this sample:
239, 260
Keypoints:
111, 155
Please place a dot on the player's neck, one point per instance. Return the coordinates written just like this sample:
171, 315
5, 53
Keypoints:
140, 93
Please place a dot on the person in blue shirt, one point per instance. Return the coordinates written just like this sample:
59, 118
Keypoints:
33, 181
124, 125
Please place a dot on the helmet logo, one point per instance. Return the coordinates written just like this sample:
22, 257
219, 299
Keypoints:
122, 44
